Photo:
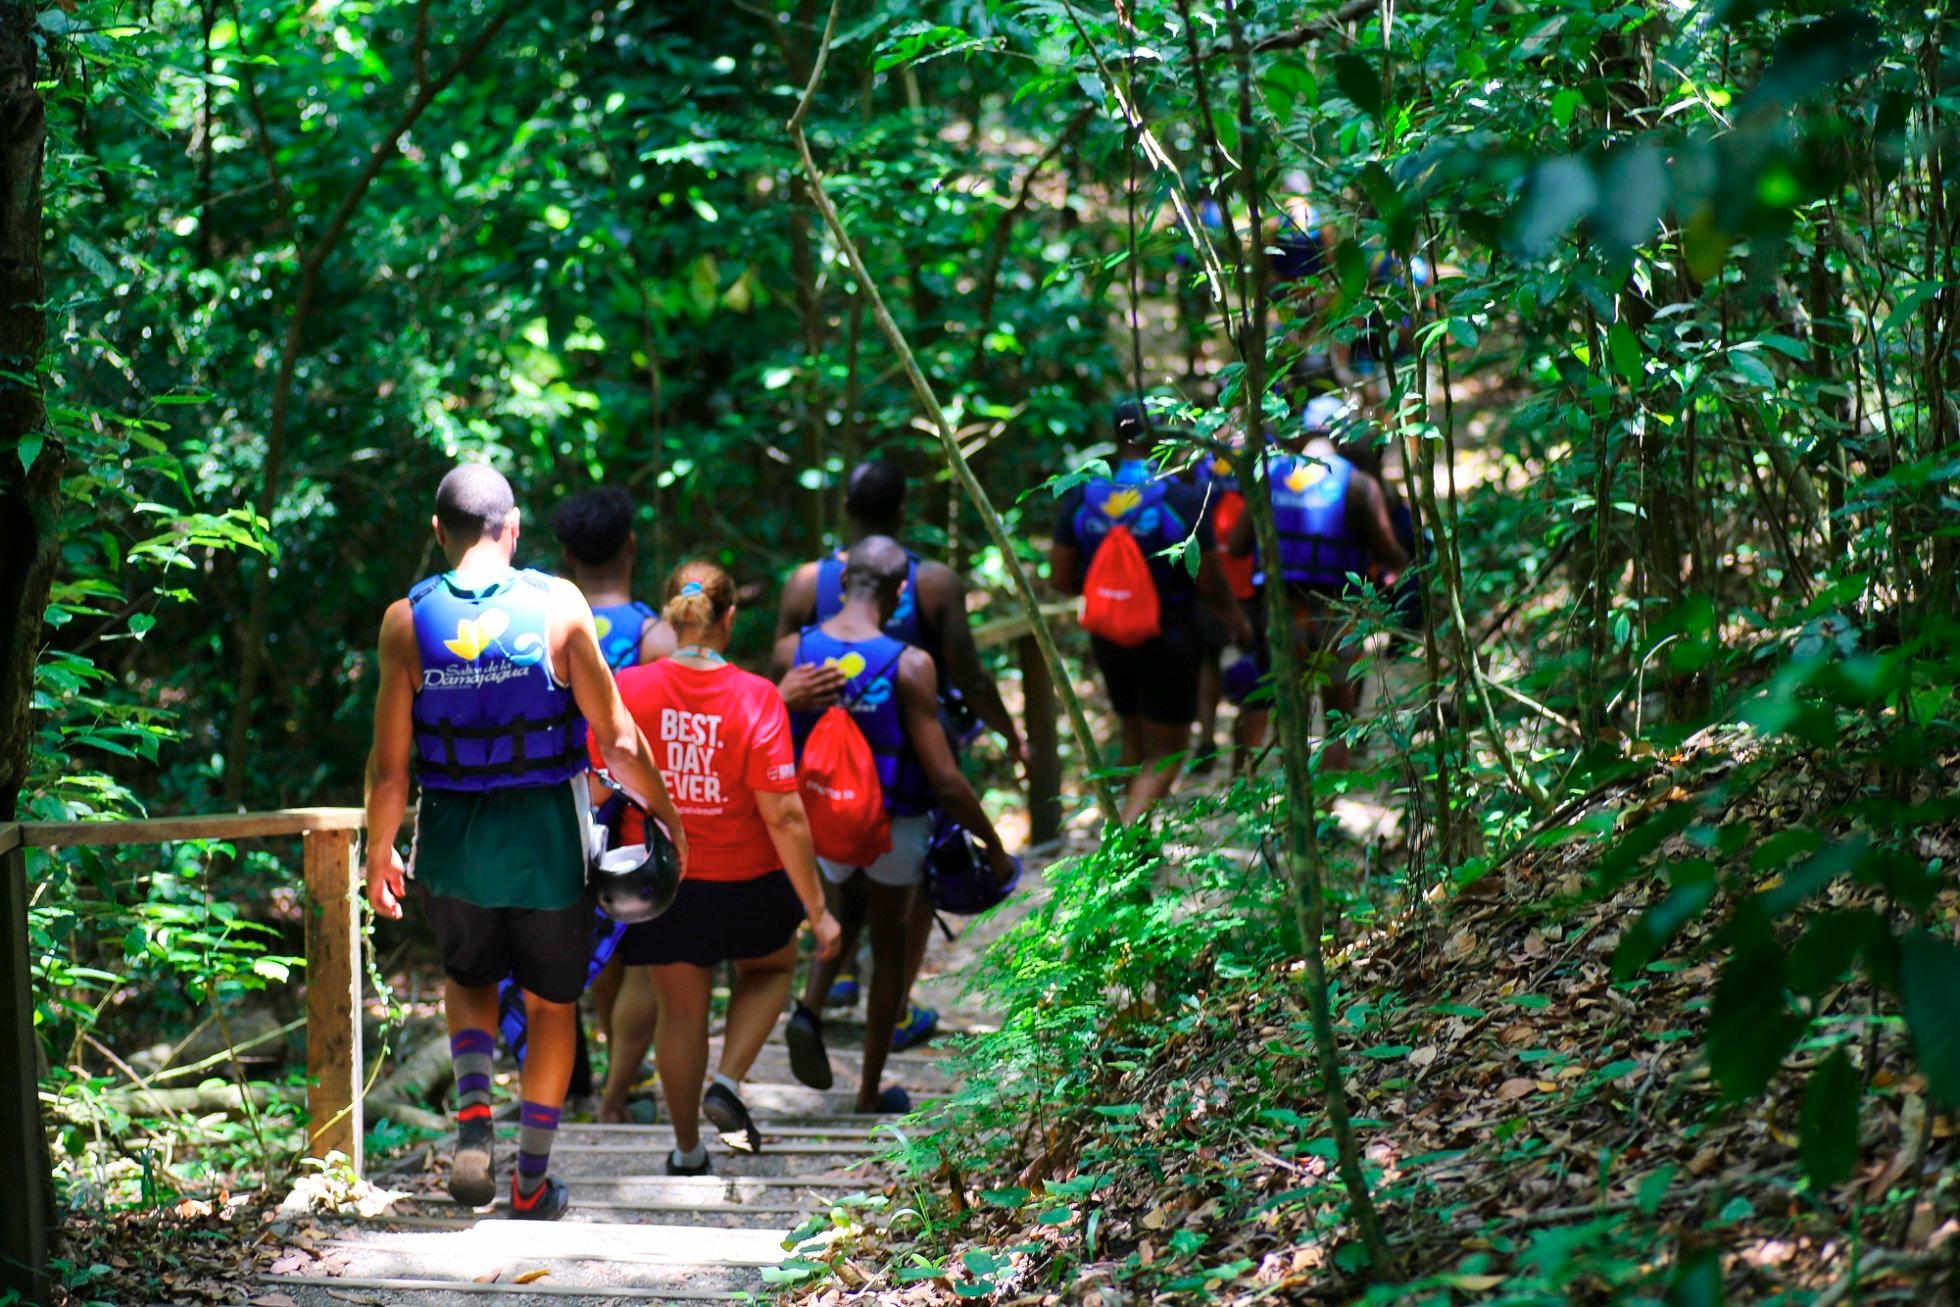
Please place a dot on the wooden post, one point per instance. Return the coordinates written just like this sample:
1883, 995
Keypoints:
25, 1215
333, 995
1044, 744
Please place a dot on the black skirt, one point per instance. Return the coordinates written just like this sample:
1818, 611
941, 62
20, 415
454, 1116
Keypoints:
716, 921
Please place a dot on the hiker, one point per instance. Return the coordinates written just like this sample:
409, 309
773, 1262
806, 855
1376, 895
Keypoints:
889, 690
490, 679
722, 739
1217, 478
1333, 522
1139, 606
931, 616
594, 529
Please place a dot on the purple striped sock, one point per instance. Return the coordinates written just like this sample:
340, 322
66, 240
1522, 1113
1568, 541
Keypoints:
472, 1052
537, 1127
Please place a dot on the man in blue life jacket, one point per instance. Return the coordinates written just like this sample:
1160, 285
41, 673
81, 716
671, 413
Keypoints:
892, 691
932, 616
594, 529
1333, 522
1153, 686
490, 677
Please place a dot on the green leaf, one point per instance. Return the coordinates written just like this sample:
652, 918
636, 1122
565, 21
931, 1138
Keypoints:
28, 448
1697, 1279
1929, 977
1749, 1026
1355, 75
1653, 1189
1013, 1197
1624, 346
1827, 1136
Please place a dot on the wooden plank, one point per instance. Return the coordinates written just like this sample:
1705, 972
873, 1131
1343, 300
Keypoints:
10, 837
333, 994
26, 1214
1006, 630
538, 1288
805, 1149
1044, 743
161, 830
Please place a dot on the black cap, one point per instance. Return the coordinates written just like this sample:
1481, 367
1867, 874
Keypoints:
1132, 422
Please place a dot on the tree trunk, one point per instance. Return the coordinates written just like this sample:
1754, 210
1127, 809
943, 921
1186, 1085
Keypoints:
32, 461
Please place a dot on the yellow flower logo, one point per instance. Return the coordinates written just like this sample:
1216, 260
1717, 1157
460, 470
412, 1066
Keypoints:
475, 634
604, 624
1305, 475
1121, 502
850, 664
1222, 466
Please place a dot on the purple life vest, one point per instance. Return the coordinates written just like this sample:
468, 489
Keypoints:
488, 712
1316, 545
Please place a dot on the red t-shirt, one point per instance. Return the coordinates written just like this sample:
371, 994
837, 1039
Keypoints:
718, 735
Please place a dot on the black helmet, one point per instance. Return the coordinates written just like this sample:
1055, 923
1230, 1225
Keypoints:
959, 875
638, 882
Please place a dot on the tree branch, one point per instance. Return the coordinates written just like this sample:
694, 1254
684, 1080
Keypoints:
949, 442
252, 656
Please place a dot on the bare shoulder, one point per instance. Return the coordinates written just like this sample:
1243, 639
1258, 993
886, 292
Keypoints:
915, 666
397, 622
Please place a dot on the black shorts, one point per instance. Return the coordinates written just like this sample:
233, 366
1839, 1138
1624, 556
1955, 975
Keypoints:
1157, 680
544, 950
716, 921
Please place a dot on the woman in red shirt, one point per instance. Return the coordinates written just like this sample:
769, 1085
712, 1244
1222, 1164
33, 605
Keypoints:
721, 738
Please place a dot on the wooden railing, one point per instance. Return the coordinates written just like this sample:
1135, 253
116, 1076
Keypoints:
333, 1003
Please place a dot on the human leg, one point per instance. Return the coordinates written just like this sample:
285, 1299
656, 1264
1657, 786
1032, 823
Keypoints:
1167, 704
680, 1046
761, 986
636, 1011
888, 914
605, 993
846, 901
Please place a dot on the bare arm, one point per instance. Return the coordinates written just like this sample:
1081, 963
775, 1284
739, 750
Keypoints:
789, 831
919, 706
1241, 542
805, 688
943, 599
612, 728
1064, 569
1216, 591
389, 760
798, 607
1367, 512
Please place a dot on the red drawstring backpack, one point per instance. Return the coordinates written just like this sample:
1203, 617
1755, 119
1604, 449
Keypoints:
1238, 571
842, 795
1119, 598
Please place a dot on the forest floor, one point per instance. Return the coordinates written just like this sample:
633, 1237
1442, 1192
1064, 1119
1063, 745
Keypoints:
1539, 1131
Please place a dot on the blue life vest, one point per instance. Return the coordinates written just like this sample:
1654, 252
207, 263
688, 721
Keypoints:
488, 713
620, 628
1137, 497
1316, 546
906, 623
1219, 473
871, 695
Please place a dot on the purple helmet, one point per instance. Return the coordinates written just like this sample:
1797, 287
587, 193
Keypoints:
958, 874
1241, 679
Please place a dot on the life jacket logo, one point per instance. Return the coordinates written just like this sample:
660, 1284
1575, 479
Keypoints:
1306, 474
1121, 502
603, 623
475, 634
872, 696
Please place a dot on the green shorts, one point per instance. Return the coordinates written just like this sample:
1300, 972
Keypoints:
517, 847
